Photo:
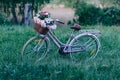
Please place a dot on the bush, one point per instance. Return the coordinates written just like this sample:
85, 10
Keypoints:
111, 16
4, 19
88, 14
91, 15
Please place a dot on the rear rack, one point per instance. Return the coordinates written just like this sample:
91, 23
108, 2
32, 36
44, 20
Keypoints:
94, 32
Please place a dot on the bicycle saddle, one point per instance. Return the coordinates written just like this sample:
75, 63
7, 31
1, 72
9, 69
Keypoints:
76, 27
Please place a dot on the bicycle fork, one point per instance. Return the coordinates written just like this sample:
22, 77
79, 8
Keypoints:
38, 46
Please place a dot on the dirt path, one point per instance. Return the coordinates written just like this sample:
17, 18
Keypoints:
60, 12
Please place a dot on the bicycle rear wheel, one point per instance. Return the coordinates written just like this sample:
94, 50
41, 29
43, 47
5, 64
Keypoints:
84, 47
34, 49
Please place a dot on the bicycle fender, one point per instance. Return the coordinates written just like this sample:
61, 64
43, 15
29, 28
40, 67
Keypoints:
79, 35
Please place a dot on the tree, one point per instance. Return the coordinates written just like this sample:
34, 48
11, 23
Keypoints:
16, 7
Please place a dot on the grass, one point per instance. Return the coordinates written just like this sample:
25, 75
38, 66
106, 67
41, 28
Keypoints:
106, 66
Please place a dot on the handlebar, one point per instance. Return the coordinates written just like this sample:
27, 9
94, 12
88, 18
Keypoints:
57, 20
50, 21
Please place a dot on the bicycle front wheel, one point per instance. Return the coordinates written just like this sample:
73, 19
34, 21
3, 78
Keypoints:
35, 49
84, 47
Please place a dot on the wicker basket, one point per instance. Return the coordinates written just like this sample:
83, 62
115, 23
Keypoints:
40, 29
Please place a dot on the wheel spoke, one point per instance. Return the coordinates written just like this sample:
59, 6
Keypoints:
35, 49
87, 45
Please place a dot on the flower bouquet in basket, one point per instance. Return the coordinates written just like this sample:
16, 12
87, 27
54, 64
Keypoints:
43, 22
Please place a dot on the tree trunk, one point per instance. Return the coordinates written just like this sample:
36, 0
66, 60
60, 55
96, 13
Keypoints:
28, 14
14, 15
21, 8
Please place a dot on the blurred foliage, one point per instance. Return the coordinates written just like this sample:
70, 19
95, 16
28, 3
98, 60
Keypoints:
88, 14
3, 19
10, 6
72, 3
24, 1
111, 16
91, 15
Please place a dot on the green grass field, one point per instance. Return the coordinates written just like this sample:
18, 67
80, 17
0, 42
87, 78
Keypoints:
106, 66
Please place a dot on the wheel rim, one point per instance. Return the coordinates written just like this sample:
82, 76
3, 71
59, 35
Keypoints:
88, 47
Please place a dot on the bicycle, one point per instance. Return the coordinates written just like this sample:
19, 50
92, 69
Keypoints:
86, 43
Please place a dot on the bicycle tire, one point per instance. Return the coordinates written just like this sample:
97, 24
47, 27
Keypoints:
88, 50
35, 45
